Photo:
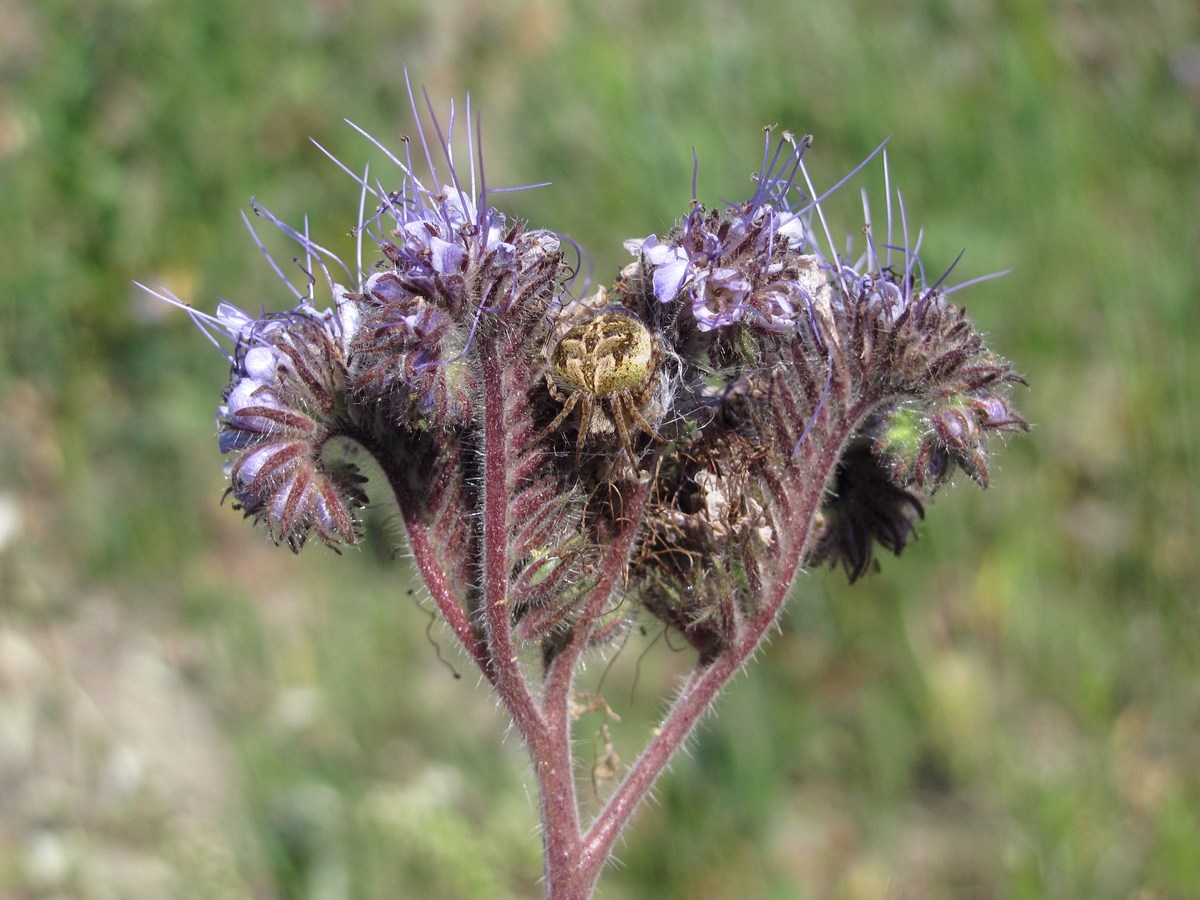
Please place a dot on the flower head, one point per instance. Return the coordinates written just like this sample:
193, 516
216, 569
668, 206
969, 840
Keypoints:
393, 358
280, 411
452, 265
740, 265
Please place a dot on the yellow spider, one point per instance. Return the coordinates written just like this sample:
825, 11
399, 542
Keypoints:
605, 368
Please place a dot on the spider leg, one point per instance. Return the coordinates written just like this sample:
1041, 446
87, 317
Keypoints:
636, 415
559, 419
586, 408
621, 403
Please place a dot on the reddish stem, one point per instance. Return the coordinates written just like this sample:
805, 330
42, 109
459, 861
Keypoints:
547, 737
427, 564
697, 697
447, 603
502, 653
703, 685
573, 861
561, 675
567, 875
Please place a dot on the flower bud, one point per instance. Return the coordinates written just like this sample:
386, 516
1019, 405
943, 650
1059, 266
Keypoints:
955, 427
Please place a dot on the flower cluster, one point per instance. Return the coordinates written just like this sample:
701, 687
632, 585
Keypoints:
450, 267
738, 369
742, 401
279, 411
729, 266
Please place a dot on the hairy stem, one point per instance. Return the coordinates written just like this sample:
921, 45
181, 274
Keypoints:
612, 566
705, 683
567, 875
547, 736
502, 653
427, 564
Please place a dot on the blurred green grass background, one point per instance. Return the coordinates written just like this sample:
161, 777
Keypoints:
1011, 710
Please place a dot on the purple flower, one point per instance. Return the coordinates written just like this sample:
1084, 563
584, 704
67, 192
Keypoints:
742, 265
444, 234
719, 297
670, 265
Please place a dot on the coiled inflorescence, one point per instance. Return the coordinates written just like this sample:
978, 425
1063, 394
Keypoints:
666, 440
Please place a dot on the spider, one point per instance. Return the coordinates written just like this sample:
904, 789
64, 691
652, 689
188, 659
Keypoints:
605, 368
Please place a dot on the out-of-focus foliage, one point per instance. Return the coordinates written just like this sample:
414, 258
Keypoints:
1009, 710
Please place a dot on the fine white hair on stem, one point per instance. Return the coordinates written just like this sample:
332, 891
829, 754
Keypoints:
812, 420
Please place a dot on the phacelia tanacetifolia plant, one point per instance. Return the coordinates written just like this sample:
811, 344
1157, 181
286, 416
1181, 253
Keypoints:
742, 401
